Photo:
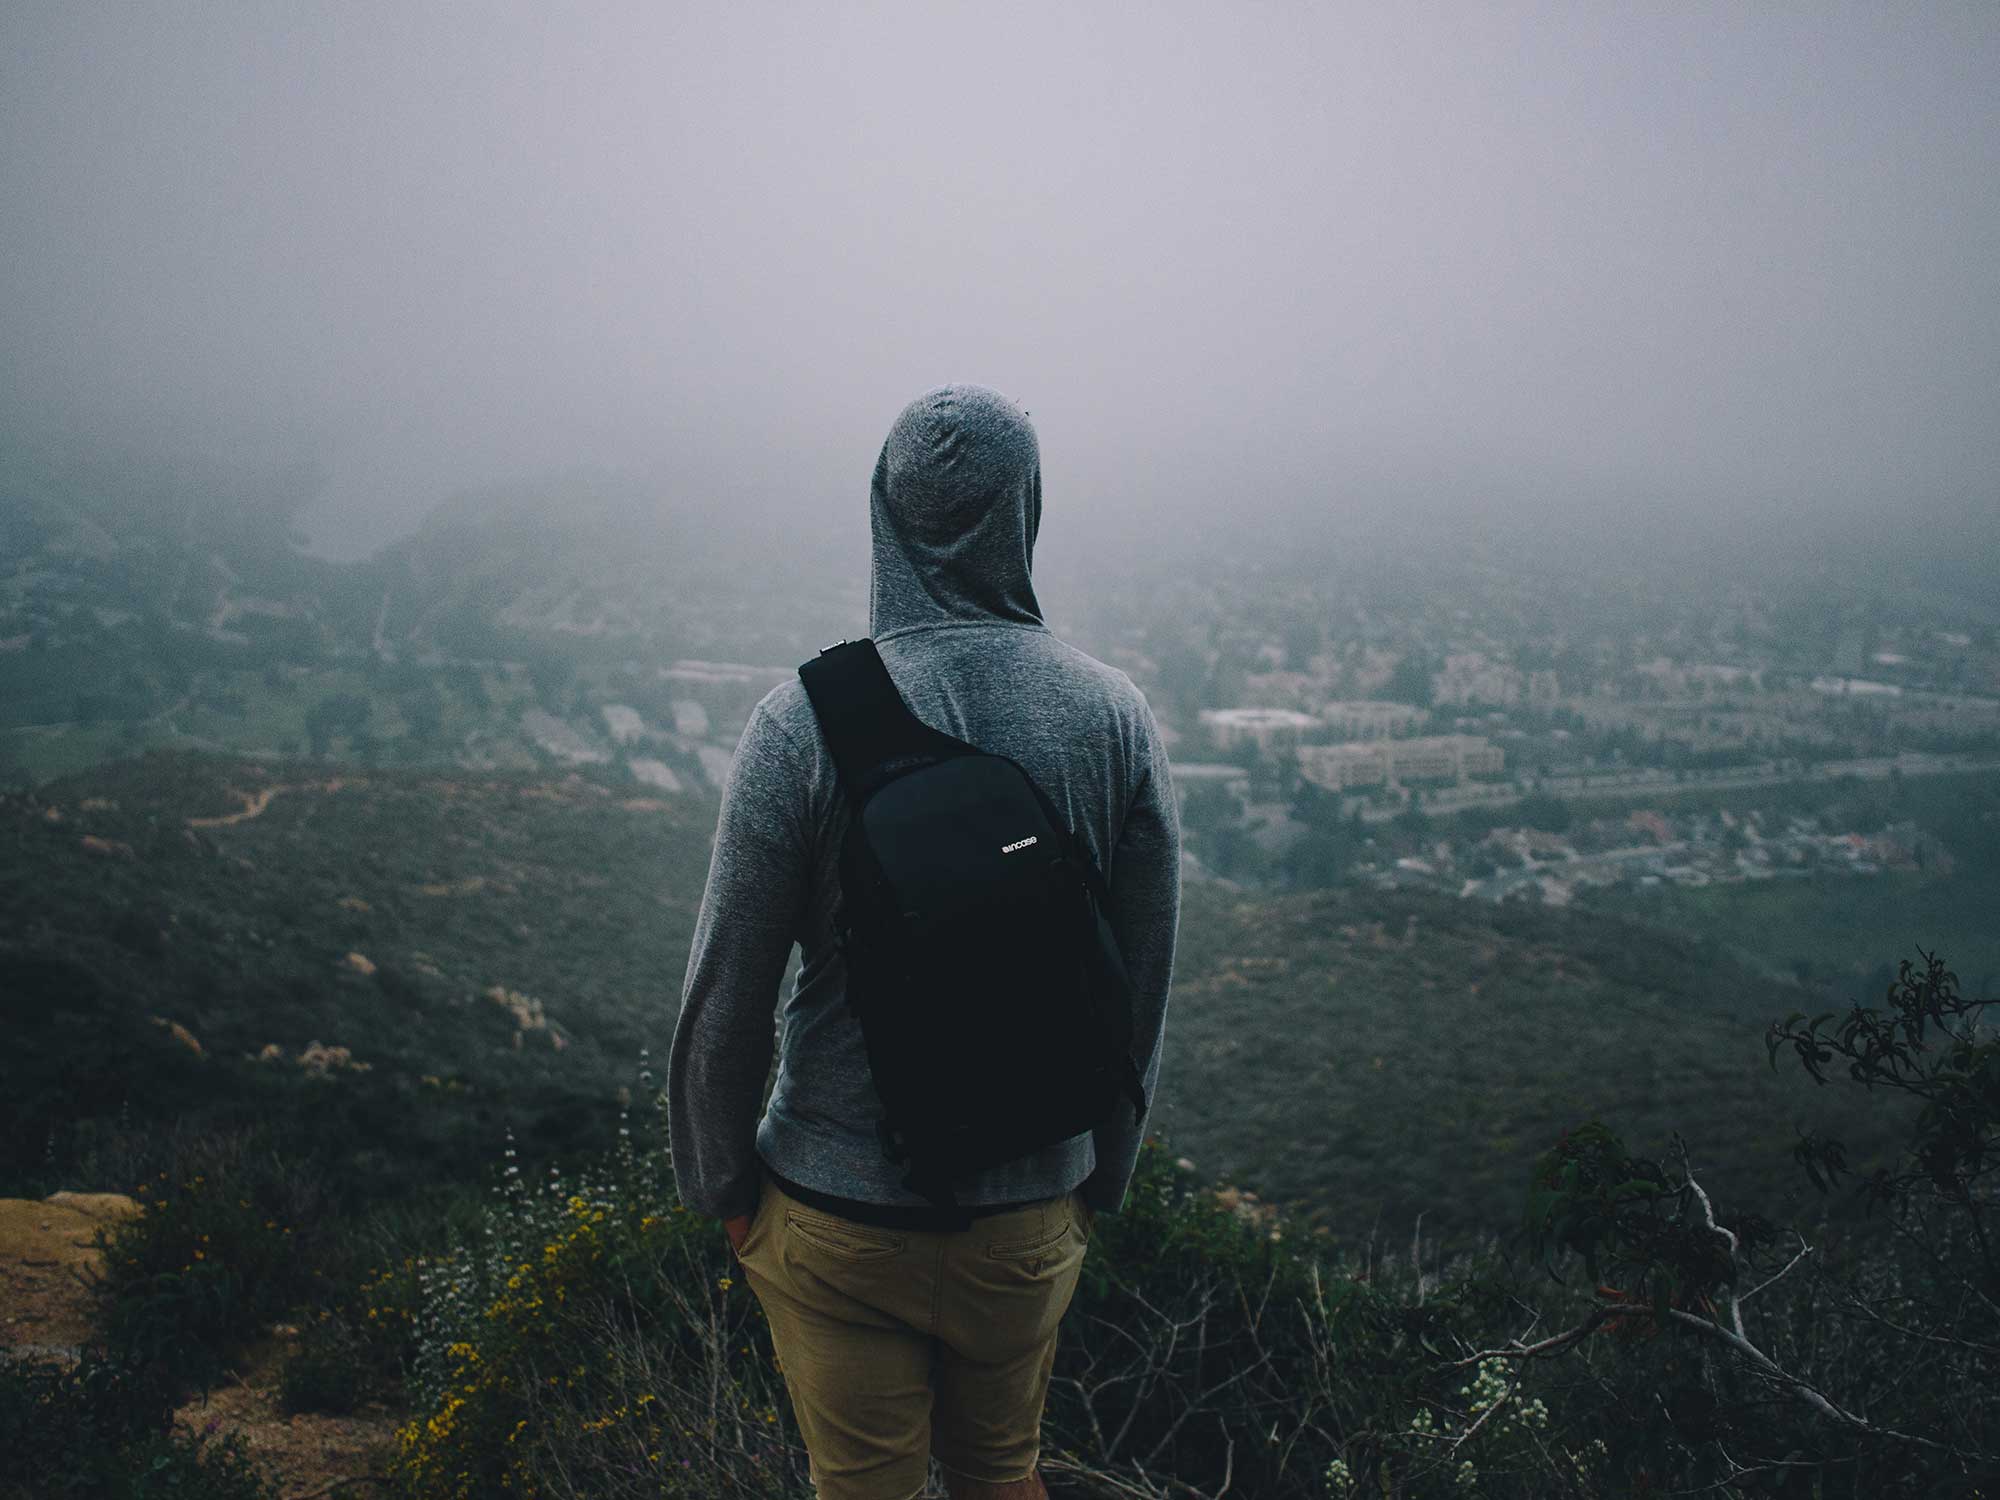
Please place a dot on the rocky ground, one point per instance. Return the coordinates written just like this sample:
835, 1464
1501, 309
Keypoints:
46, 1262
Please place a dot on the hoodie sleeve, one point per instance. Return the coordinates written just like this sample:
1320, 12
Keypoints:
1145, 884
751, 910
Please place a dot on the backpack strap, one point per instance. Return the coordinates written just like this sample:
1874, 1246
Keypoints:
1130, 1079
870, 731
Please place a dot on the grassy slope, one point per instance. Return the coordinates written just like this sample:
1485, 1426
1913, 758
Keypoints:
1365, 1053
1846, 926
1390, 1055
562, 890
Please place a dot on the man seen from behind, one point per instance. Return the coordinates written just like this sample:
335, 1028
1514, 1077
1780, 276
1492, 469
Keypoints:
902, 1334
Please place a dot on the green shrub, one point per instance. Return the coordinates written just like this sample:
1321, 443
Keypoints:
1206, 1345
328, 1372
103, 1429
592, 1340
1740, 1358
198, 1272
381, 1319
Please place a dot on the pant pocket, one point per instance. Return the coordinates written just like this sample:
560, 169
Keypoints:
843, 1239
1086, 1216
1038, 1244
760, 1220
1011, 1292
1042, 1245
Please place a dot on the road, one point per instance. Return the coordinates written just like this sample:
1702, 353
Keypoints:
1641, 783
1498, 887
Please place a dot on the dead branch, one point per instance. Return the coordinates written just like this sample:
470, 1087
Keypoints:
1781, 1272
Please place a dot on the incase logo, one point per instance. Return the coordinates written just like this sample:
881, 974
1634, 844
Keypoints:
1018, 844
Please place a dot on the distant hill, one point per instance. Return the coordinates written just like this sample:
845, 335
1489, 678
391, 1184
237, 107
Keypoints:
170, 606
494, 950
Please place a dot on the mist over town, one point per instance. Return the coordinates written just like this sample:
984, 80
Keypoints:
1540, 465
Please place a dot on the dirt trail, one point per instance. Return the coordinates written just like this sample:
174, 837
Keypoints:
46, 1261
301, 1454
255, 802
46, 1264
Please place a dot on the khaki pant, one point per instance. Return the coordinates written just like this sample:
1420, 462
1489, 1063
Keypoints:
898, 1344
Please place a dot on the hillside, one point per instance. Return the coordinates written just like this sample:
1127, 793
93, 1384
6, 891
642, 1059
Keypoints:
1372, 1054
494, 950
489, 951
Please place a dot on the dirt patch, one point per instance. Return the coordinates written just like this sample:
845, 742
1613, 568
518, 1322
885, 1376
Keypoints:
46, 1262
301, 1454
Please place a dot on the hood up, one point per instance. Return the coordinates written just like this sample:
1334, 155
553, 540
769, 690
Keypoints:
953, 512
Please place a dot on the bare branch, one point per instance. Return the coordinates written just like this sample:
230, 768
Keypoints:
1862, 1309
1805, 1389
1555, 1343
1483, 1418
1781, 1273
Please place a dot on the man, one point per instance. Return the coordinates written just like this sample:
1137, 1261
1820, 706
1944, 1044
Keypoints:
901, 1337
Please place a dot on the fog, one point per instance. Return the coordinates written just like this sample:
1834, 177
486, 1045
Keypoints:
1679, 269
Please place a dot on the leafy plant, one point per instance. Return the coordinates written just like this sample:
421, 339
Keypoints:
592, 1338
1925, 1043
201, 1269
103, 1429
328, 1371
1876, 1376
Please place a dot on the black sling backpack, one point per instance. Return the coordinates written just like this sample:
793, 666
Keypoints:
992, 998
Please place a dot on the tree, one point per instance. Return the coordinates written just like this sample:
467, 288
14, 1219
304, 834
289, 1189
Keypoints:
1877, 1377
1301, 638
1544, 811
1210, 805
1183, 676
424, 710
1410, 681
1316, 807
337, 714
1318, 859
466, 682
1215, 818
551, 675
1322, 856
1229, 849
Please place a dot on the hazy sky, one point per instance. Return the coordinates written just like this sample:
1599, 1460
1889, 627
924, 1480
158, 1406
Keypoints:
1724, 265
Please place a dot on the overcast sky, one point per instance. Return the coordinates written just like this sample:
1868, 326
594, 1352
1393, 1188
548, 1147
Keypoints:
1731, 265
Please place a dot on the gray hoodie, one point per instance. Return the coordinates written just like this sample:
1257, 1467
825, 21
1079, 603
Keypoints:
953, 511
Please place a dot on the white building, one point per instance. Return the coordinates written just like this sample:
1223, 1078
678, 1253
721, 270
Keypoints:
690, 719
1855, 687
1470, 677
729, 672
624, 723
1370, 718
560, 740
655, 773
1271, 729
1444, 757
